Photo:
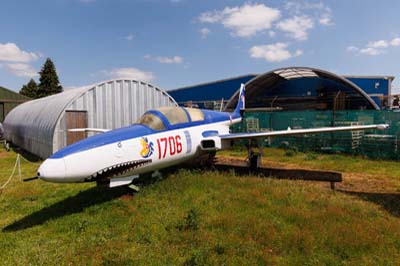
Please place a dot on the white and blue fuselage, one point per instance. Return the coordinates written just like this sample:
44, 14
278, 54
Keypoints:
139, 149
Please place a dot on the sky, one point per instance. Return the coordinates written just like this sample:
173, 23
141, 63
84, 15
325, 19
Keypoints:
176, 43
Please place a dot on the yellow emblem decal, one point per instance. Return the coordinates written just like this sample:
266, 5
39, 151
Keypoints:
147, 148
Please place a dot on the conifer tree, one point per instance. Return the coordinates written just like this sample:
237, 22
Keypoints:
49, 83
30, 90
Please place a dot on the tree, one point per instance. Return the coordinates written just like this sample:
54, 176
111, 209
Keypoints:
30, 90
49, 83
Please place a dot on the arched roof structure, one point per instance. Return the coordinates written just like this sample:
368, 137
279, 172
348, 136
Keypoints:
38, 125
295, 88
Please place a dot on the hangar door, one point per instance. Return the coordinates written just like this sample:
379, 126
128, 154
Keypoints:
75, 119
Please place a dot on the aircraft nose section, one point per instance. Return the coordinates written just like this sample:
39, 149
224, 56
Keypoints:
52, 170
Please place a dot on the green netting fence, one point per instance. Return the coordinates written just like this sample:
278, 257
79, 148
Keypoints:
379, 144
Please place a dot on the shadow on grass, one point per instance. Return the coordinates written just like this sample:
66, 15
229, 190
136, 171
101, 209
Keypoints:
70, 205
26, 154
389, 201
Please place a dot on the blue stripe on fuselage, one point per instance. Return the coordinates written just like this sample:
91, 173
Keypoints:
213, 116
134, 131
102, 139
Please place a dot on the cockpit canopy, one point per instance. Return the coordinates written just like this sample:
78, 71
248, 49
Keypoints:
165, 117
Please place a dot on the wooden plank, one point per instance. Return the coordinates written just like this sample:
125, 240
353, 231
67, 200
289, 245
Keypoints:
75, 119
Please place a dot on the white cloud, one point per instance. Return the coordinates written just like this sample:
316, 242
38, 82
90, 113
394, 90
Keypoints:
170, 60
11, 52
352, 49
22, 70
244, 21
371, 51
319, 11
129, 72
374, 48
395, 42
271, 33
273, 52
293, 7
298, 52
297, 27
129, 37
165, 60
326, 20
211, 17
204, 32
378, 44
18, 60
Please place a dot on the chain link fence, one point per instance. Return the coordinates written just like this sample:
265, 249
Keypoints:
378, 144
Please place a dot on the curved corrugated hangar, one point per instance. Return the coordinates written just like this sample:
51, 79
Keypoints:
41, 126
303, 88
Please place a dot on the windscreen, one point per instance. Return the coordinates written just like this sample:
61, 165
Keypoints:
174, 115
195, 114
152, 121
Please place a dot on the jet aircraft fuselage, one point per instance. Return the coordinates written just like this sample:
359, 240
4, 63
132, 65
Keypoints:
163, 137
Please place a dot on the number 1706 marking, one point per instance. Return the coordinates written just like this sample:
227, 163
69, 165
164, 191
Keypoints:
173, 144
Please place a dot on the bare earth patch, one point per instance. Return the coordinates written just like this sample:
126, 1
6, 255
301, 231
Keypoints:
366, 183
352, 182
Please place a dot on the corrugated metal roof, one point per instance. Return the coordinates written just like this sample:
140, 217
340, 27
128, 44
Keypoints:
43, 113
271, 79
32, 125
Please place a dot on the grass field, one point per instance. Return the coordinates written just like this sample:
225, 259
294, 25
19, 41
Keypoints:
207, 218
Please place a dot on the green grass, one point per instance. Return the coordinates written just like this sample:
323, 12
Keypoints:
334, 162
192, 218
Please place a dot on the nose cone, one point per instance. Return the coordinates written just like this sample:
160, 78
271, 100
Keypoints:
52, 170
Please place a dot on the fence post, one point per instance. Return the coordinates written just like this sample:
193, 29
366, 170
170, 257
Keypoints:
19, 166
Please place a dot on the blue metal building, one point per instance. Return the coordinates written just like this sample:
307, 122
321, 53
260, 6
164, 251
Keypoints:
292, 88
379, 88
209, 95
